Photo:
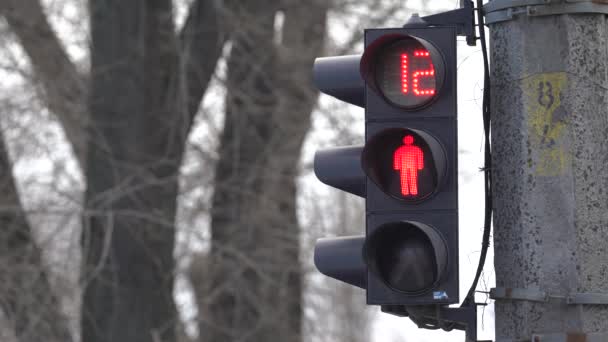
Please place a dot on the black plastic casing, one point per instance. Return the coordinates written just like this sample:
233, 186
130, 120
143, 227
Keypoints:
438, 119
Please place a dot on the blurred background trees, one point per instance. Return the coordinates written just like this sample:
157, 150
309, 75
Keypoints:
155, 169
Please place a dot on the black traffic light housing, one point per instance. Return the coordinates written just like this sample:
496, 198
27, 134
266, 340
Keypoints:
407, 261
411, 236
409, 255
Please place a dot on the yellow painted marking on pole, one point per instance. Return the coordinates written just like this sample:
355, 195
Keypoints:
547, 122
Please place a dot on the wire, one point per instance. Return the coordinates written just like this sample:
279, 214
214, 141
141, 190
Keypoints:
487, 167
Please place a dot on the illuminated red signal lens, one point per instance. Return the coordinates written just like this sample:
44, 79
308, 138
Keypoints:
407, 164
406, 74
408, 159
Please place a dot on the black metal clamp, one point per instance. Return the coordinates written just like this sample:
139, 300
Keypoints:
462, 18
436, 317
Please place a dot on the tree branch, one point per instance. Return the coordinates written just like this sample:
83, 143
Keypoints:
63, 88
202, 39
26, 296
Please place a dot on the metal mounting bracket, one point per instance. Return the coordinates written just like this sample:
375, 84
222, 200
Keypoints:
530, 295
588, 299
537, 295
462, 18
446, 318
570, 337
504, 10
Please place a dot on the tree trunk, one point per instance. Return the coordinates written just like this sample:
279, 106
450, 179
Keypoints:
26, 296
138, 135
145, 89
254, 292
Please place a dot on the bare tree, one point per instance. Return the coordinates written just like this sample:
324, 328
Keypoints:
255, 289
127, 122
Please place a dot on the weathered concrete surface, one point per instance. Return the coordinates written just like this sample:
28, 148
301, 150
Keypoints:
550, 167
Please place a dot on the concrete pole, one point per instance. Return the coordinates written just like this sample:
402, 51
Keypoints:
550, 169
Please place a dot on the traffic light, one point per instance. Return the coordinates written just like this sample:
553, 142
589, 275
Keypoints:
410, 159
407, 169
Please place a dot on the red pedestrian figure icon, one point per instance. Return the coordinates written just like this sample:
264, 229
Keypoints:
409, 159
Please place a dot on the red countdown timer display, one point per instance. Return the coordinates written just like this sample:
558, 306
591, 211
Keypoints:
406, 73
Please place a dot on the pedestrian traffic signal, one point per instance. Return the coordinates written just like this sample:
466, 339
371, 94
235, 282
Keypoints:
410, 159
408, 164
407, 169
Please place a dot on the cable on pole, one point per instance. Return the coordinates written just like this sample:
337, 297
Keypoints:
487, 167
